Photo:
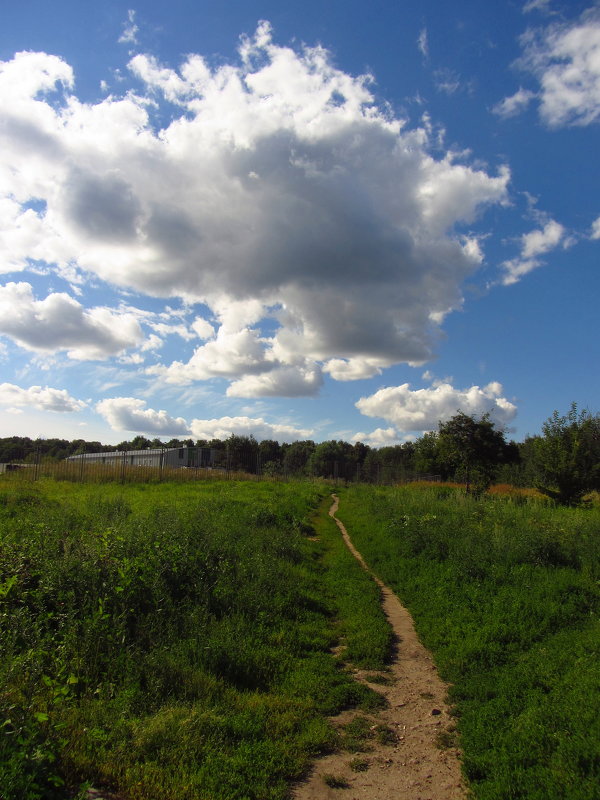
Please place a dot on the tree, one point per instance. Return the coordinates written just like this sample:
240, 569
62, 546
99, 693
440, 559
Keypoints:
269, 452
428, 459
473, 447
334, 459
140, 443
242, 453
296, 456
568, 456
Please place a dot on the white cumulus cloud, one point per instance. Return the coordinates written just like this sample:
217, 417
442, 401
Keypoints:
279, 187
247, 426
353, 369
292, 381
131, 414
41, 397
565, 59
61, 323
422, 409
533, 245
226, 356
380, 437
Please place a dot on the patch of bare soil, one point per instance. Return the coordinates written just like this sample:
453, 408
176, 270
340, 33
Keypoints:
407, 750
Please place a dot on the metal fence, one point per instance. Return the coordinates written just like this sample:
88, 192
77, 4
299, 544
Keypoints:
208, 464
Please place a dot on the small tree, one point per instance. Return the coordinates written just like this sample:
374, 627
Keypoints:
568, 456
473, 448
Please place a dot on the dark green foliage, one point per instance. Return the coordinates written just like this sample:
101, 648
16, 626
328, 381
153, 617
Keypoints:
567, 456
169, 641
427, 458
296, 456
336, 782
337, 459
507, 597
473, 448
22, 448
389, 464
242, 453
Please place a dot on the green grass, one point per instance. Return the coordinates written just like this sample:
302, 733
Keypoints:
507, 596
173, 641
363, 626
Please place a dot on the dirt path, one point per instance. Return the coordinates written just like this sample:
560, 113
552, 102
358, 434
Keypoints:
417, 759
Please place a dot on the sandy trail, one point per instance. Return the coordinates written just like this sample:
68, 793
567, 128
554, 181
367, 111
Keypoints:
418, 764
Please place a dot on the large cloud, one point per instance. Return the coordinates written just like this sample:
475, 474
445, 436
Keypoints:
228, 355
565, 58
380, 437
130, 414
422, 409
292, 381
40, 397
61, 323
279, 182
247, 426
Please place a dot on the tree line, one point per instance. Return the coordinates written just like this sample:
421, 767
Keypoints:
563, 461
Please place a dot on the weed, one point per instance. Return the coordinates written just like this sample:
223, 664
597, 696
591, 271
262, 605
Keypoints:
359, 764
378, 678
355, 735
336, 782
372, 701
385, 735
446, 739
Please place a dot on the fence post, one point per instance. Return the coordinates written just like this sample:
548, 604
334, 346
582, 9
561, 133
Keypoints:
36, 467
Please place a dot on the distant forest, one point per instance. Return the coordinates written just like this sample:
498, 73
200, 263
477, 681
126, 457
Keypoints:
564, 460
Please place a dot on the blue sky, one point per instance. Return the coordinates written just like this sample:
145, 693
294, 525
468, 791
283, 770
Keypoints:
297, 220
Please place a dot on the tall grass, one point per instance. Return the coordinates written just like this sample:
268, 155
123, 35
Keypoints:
506, 593
171, 642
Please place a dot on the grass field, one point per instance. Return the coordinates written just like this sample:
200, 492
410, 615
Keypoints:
172, 641
506, 593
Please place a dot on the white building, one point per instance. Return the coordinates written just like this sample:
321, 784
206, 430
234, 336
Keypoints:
170, 457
